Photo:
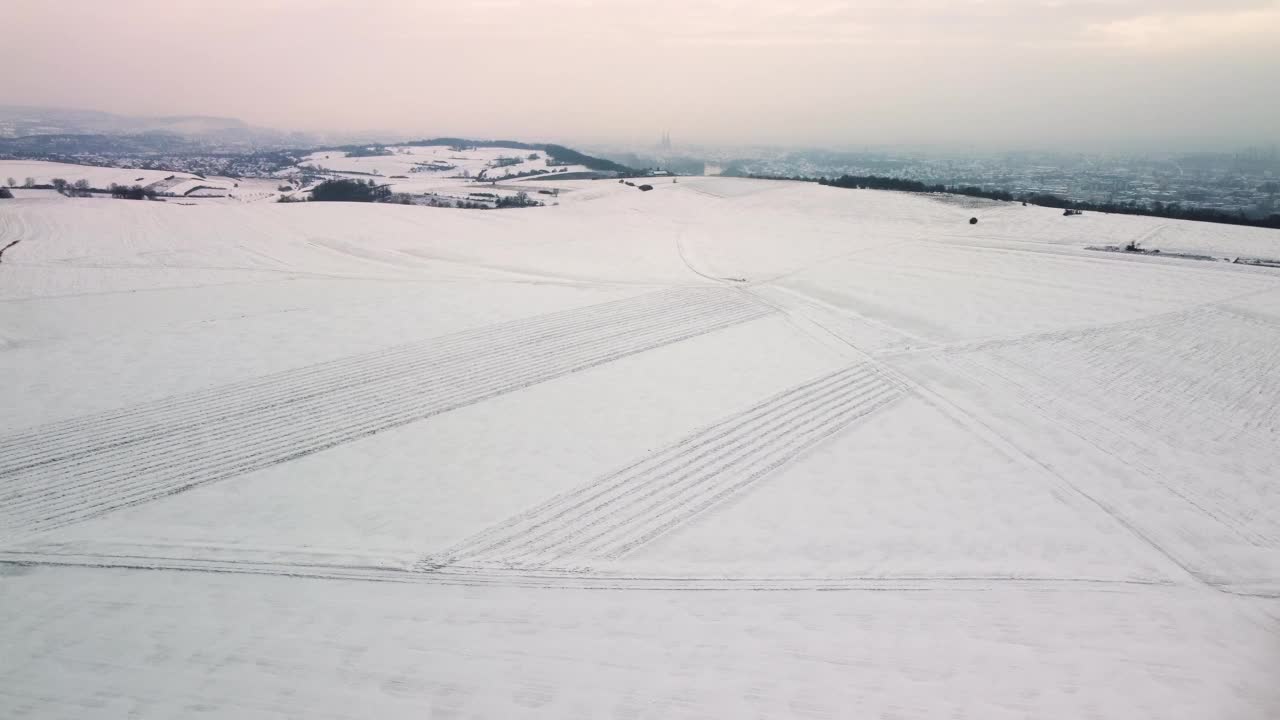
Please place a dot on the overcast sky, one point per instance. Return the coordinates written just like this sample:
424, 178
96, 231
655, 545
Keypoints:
1092, 74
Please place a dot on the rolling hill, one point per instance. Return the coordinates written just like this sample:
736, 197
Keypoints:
727, 448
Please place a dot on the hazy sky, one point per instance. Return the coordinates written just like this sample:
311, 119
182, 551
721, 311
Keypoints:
1001, 73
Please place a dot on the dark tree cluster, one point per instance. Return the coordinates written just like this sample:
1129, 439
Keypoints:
520, 199
79, 188
5, 194
365, 150
563, 155
463, 144
878, 182
132, 192
350, 191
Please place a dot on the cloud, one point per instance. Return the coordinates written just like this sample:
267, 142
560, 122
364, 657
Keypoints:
1164, 32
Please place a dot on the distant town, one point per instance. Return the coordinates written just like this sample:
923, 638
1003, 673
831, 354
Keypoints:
1244, 182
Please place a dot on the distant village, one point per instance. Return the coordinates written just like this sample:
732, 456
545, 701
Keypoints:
1246, 182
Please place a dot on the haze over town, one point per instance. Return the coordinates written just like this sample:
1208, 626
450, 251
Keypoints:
996, 74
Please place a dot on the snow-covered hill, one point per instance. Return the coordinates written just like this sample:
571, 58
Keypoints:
169, 184
440, 175
446, 174
598, 458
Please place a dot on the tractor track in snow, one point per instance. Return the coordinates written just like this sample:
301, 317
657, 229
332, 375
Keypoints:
616, 514
467, 576
56, 440
1117, 438
68, 472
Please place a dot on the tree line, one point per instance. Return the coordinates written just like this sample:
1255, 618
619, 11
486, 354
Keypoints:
1174, 211
350, 191
132, 192
81, 188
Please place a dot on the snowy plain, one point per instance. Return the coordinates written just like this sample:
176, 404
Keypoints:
727, 448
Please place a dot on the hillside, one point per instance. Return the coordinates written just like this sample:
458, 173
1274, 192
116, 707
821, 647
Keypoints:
728, 448
444, 172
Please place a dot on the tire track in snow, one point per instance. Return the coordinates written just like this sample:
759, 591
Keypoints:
622, 511
173, 451
360, 386
59, 440
487, 577
1125, 437
90, 466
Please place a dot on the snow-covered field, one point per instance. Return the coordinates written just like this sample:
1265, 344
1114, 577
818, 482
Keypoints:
42, 172
430, 161
177, 186
434, 172
730, 448
450, 174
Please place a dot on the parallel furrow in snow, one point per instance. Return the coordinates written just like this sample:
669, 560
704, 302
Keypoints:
626, 509
679, 502
693, 452
59, 440
350, 400
210, 438
148, 558
527, 525
312, 423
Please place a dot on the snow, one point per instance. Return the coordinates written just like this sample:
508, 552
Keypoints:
727, 448
174, 185
411, 160
440, 171
271, 647
43, 172
431, 171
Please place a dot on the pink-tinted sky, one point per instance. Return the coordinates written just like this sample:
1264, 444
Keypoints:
1001, 73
